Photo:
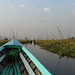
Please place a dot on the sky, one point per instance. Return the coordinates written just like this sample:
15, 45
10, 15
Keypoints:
39, 19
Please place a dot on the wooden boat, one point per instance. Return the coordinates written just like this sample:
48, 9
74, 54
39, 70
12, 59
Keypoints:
15, 59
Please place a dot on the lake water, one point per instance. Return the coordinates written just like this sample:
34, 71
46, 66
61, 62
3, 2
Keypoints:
55, 64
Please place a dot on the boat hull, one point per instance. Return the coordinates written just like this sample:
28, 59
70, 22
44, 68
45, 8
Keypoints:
17, 60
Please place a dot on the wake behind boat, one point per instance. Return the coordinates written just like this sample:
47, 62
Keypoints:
15, 59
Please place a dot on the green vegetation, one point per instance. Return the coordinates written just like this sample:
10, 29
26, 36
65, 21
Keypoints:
61, 47
2, 42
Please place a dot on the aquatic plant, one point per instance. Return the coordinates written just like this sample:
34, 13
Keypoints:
61, 47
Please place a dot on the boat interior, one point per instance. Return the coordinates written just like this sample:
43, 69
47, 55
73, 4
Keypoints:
23, 65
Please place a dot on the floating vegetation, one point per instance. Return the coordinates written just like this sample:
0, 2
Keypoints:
61, 47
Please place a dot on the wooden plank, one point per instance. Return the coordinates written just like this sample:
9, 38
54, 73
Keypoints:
2, 57
11, 71
15, 70
30, 71
41, 68
18, 69
6, 70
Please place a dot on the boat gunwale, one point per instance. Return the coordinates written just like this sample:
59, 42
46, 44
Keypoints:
41, 68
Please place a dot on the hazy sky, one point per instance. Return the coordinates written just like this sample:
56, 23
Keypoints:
37, 18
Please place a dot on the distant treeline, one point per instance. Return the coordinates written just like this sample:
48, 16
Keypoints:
64, 47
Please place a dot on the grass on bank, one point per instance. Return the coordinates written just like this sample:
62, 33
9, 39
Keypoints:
2, 42
61, 47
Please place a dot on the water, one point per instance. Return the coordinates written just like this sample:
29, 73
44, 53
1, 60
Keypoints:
55, 64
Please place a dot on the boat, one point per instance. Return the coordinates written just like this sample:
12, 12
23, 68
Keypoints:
15, 59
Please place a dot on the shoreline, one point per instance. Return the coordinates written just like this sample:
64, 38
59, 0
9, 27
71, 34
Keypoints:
60, 47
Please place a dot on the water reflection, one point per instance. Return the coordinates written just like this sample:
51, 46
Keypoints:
55, 64
26, 45
59, 61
